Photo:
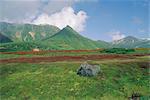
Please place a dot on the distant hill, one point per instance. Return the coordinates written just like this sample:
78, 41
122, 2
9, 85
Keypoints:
68, 38
103, 44
48, 37
131, 42
27, 32
25, 46
4, 39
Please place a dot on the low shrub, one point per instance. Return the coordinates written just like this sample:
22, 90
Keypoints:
118, 50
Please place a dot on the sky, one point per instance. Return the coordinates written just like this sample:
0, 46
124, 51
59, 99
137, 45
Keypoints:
107, 20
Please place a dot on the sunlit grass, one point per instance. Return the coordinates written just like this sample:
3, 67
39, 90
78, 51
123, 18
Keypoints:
59, 81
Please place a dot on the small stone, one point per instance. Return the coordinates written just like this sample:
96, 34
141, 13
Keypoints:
86, 69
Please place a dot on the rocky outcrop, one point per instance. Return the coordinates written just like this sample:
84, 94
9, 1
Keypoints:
86, 69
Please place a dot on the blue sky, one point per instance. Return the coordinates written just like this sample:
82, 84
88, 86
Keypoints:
96, 19
129, 17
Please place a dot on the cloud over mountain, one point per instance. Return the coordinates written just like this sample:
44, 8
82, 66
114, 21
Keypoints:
116, 35
66, 16
53, 12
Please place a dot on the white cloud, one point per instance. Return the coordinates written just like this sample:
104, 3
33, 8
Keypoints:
19, 11
66, 16
54, 12
116, 35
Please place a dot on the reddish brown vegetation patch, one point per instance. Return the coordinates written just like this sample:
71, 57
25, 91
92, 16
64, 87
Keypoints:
44, 52
67, 58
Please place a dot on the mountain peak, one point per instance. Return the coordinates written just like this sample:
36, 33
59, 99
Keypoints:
130, 37
130, 42
68, 27
68, 30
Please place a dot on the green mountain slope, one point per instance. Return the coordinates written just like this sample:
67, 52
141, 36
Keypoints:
68, 38
4, 39
103, 44
27, 32
48, 37
131, 42
25, 46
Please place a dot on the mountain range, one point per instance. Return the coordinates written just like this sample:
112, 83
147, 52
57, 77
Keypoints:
28, 36
131, 42
27, 32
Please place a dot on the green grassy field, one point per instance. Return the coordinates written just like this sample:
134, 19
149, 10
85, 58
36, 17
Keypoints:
4, 56
118, 80
98, 52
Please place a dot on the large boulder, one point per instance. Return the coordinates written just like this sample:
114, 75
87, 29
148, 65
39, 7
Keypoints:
86, 69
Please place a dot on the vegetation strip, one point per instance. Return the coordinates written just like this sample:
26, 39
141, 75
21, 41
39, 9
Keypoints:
41, 52
68, 58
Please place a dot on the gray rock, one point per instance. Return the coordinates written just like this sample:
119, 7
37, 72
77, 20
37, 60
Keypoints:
86, 69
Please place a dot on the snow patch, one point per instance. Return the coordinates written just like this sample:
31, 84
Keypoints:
18, 35
32, 34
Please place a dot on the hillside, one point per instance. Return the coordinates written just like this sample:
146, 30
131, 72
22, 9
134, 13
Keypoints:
48, 37
27, 32
26, 46
68, 38
4, 39
103, 44
131, 42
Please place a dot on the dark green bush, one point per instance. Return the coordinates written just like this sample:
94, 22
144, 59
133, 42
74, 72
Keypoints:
117, 50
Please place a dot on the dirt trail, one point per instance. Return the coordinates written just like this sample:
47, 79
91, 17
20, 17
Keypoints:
69, 58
